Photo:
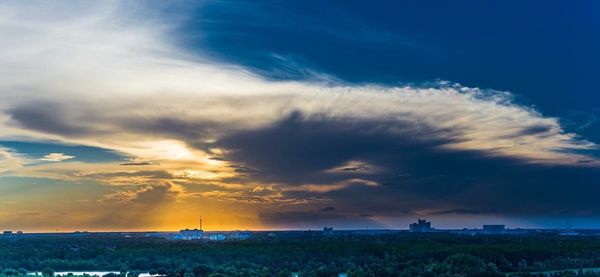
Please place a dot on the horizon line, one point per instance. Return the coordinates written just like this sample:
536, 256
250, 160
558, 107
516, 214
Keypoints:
278, 230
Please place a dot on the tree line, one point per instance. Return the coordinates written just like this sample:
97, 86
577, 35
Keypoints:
355, 255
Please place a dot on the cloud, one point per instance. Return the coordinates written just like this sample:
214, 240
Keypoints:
146, 195
152, 91
56, 157
353, 166
328, 209
318, 219
414, 173
23, 214
462, 211
105, 74
137, 163
43, 116
253, 197
9, 161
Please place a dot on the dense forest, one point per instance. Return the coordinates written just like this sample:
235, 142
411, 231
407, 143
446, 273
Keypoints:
355, 255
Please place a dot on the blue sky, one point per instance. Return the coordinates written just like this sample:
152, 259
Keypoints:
545, 54
37, 150
296, 114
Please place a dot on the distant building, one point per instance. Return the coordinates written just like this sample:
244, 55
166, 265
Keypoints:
421, 226
217, 237
494, 229
80, 233
190, 234
568, 233
328, 231
239, 235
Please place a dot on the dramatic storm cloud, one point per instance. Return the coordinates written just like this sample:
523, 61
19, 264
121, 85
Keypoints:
188, 132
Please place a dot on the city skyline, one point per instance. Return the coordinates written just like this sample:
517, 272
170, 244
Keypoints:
273, 115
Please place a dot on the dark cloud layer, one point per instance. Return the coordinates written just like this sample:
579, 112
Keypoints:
316, 219
296, 150
47, 117
417, 173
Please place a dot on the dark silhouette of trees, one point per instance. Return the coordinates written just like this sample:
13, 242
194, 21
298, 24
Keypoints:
355, 255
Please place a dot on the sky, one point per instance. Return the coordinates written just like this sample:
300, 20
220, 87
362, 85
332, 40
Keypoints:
147, 115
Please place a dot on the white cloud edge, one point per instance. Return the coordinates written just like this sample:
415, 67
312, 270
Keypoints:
56, 157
